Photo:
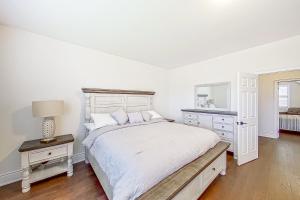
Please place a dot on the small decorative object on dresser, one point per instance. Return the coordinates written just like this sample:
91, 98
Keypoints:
43, 160
47, 110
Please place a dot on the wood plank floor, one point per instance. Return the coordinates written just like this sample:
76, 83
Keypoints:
274, 176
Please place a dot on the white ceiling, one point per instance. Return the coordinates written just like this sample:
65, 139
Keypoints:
166, 33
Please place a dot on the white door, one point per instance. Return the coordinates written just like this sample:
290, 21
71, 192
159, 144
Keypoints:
247, 134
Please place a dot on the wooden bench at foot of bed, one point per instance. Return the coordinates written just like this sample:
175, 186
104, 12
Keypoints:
190, 181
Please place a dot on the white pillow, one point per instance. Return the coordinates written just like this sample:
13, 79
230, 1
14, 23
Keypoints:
103, 119
146, 115
154, 114
120, 116
135, 117
89, 126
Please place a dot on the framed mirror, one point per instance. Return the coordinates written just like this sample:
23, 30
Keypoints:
214, 96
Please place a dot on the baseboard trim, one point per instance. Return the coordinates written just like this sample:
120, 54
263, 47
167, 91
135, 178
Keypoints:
79, 157
10, 177
14, 176
269, 135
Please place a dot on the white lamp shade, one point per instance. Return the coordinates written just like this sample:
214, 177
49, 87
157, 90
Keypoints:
47, 108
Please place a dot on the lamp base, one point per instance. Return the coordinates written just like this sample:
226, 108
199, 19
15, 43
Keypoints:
48, 127
48, 140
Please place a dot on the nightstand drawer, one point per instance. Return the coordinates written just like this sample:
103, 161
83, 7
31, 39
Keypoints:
47, 153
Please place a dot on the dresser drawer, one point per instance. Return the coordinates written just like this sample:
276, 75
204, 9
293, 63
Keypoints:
223, 127
223, 119
205, 121
225, 135
190, 115
47, 153
192, 122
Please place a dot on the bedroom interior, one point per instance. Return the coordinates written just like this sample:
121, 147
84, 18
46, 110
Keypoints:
283, 117
289, 106
124, 100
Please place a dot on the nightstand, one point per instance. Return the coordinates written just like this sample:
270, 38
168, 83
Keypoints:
43, 160
170, 120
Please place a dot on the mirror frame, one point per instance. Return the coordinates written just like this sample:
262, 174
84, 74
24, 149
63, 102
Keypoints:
214, 84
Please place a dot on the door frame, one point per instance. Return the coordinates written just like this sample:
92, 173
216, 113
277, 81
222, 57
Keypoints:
275, 134
276, 106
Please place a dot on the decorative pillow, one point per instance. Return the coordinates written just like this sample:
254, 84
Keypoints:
135, 117
120, 116
154, 114
89, 126
103, 119
146, 116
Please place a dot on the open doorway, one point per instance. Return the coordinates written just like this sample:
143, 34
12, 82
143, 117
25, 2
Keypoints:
287, 113
274, 105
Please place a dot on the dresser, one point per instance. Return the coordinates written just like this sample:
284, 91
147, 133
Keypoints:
221, 122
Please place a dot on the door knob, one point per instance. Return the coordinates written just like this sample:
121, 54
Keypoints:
241, 123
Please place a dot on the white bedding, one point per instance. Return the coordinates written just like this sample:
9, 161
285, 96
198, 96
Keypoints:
135, 158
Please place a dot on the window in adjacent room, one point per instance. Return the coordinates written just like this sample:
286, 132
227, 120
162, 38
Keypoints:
283, 96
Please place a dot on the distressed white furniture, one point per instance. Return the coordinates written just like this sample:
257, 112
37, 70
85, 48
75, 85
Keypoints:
43, 160
109, 100
199, 184
222, 122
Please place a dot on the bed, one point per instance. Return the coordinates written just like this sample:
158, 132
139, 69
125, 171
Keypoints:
290, 120
150, 160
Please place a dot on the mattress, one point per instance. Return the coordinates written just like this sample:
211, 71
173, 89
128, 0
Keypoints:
173, 184
134, 158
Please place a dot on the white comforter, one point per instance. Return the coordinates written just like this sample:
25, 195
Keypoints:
135, 158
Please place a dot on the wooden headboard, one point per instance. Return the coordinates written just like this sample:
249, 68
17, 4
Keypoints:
109, 100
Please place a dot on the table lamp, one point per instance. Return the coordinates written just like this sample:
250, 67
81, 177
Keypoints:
48, 110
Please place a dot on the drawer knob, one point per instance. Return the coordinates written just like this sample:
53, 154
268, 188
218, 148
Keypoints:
222, 133
222, 126
222, 119
214, 169
49, 154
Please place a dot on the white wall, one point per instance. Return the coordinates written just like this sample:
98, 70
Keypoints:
33, 67
283, 54
295, 94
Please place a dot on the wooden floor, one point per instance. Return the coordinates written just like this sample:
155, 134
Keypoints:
274, 176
